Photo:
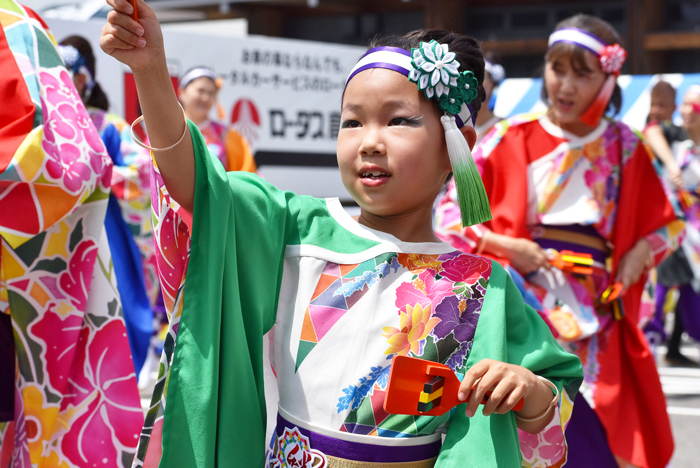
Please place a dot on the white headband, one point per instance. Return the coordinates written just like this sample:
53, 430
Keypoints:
580, 38
195, 73
399, 60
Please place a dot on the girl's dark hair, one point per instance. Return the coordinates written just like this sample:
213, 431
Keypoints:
467, 49
577, 56
97, 98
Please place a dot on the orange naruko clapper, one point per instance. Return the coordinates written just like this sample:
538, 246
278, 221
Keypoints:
571, 262
135, 14
612, 293
423, 388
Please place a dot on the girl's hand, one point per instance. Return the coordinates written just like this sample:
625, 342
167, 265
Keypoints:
525, 255
674, 175
633, 263
509, 383
136, 44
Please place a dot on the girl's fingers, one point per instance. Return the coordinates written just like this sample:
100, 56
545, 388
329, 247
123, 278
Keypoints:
470, 378
487, 382
124, 21
512, 399
498, 395
124, 35
109, 42
144, 9
123, 6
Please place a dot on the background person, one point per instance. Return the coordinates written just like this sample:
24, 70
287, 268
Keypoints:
682, 269
568, 179
199, 88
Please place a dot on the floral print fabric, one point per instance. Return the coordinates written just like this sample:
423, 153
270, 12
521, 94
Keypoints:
76, 400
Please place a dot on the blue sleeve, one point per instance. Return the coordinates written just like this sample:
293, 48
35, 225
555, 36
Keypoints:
111, 139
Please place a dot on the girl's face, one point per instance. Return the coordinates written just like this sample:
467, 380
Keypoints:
689, 112
198, 98
391, 145
571, 89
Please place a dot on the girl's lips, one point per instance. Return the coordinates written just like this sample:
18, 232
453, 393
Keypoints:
374, 181
565, 106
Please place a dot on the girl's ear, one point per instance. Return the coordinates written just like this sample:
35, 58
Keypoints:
469, 135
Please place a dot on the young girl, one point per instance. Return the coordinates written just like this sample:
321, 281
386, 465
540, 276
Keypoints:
199, 88
568, 180
345, 295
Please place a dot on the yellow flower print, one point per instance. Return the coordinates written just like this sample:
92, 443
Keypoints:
40, 418
416, 325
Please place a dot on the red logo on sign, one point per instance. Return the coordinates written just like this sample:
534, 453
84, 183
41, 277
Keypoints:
245, 118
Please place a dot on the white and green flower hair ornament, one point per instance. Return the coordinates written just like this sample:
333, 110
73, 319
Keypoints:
435, 70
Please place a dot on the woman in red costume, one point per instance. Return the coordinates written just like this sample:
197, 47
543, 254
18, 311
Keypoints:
569, 180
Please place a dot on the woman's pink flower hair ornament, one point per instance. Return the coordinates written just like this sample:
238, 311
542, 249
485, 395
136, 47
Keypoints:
611, 56
435, 70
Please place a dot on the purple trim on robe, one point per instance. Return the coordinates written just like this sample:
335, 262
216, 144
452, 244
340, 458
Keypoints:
360, 452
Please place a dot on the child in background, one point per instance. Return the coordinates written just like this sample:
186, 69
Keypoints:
199, 88
344, 295
567, 179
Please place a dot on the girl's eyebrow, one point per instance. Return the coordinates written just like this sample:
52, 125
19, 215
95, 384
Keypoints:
397, 104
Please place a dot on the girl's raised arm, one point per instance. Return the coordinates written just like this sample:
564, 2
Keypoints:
140, 46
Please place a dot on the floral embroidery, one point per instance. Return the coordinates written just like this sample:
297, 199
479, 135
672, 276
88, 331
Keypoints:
437, 318
415, 325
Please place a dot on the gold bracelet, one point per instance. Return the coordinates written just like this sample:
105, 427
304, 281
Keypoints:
554, 402
151, 148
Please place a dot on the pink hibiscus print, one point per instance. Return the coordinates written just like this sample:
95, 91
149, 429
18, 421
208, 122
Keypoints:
60, 336
60, 124
554, 447
76, 281
59, 90
102, 378
425, 290
63, 164
466, 269
528, 444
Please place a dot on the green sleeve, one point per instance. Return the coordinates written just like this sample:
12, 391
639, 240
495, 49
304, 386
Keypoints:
215, 408
510, 331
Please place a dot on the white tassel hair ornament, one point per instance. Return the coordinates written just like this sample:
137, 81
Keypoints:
473, 201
